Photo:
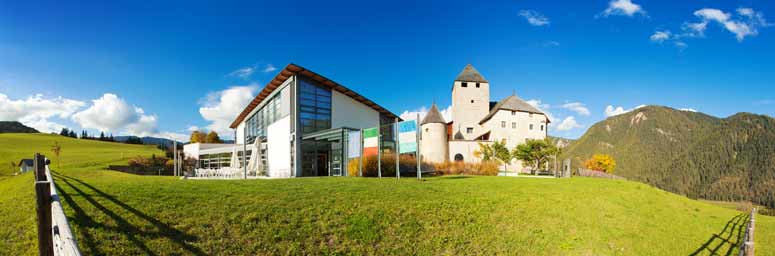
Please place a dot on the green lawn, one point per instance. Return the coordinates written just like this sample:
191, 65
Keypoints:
120, 214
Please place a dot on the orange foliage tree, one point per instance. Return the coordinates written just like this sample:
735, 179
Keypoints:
601, 162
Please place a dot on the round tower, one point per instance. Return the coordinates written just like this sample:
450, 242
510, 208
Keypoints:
433, 140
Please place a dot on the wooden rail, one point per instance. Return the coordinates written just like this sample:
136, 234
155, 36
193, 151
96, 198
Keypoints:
54, 234
746, 247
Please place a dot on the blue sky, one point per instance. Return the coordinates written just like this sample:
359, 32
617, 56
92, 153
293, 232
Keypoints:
163, 68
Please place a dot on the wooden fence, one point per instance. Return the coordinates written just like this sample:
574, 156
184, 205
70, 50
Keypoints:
596, 174
746, 247
54, 234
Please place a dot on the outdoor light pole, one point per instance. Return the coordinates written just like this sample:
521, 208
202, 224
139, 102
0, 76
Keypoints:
417, 134
174, 157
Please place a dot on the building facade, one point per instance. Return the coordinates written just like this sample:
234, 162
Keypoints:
477, 120
300, 120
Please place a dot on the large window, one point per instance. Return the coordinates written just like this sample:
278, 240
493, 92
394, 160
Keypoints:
266, 115
314, 107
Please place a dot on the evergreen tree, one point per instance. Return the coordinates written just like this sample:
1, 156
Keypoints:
64, 132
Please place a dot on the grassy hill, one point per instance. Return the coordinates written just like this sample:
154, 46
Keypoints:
120, 214
688, 153
17, 208
15, 127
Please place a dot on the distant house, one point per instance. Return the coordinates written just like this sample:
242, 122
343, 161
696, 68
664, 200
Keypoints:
25, 165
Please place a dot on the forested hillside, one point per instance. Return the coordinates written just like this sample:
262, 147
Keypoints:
689, 153
15, 127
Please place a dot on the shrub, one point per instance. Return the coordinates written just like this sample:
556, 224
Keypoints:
601, 162
484, 168
407, 162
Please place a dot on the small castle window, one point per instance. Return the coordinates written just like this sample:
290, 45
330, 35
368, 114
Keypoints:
469, 130
426, 129
513, 125
503, 124
542, 127
464, 84
477, 85
531, 127
513, 113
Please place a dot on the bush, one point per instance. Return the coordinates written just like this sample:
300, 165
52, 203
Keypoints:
407, 162
484, 168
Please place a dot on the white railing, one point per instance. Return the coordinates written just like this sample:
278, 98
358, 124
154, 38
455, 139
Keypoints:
64, 240
54, 234
746, 247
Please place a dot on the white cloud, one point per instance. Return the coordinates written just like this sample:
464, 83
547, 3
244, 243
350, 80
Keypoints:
192, 128
688, 109
244, 72
111, 113
222, 107
551, 44
269, 68
569, 123
747, 23
446, 113
612, 111
624, 8
660, 36
543, 107
577, 107
35, 111
534, 18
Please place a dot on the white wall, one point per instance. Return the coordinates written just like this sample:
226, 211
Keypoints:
433, 143
240, 133
347, 112
522, 132
467, 114
465, 148
279, 148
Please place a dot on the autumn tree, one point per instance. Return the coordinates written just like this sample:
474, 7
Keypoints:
212, 137
197, 137
500, 152
485, 152
534, 152
601, 162
57, 149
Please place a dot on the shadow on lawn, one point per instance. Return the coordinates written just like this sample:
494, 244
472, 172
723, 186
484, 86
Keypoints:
731, 236
123, 226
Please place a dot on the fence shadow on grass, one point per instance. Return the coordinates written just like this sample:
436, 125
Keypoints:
731, 235
132, 232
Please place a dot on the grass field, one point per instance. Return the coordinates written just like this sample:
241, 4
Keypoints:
120, 214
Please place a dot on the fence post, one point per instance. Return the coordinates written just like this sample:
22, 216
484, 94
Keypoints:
43, 207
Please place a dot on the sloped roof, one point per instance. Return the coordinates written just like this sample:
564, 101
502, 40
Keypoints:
470, 74
293, 69
513, 103
433, 116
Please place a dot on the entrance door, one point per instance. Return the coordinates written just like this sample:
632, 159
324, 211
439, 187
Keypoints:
322, 163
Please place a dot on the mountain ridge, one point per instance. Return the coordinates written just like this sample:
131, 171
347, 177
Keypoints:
689, 153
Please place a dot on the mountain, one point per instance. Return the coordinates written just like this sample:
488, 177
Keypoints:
689, 153
147, 140
15, 127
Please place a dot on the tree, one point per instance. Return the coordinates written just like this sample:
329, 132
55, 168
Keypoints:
534, 152
72, 134
197, 137
212, 137
484, 152
500, 152
64, 132
57, 149
601, 162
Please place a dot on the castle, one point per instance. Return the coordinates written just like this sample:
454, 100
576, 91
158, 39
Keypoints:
476, 119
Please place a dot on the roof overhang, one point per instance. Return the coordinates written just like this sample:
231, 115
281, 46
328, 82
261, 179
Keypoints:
293, 69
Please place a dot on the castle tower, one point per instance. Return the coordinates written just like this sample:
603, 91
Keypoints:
470, 103
433, 142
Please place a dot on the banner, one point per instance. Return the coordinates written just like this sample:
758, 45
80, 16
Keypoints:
370, 141
353, 144
407, 136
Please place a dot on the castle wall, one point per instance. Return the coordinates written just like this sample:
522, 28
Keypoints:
469, 105
433, 143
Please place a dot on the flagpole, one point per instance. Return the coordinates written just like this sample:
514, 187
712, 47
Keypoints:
379, 151
417, 135
398, 151
360, 158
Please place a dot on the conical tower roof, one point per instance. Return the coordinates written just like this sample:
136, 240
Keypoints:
433, 116
470, 74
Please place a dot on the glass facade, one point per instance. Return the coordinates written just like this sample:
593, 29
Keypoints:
314, 115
